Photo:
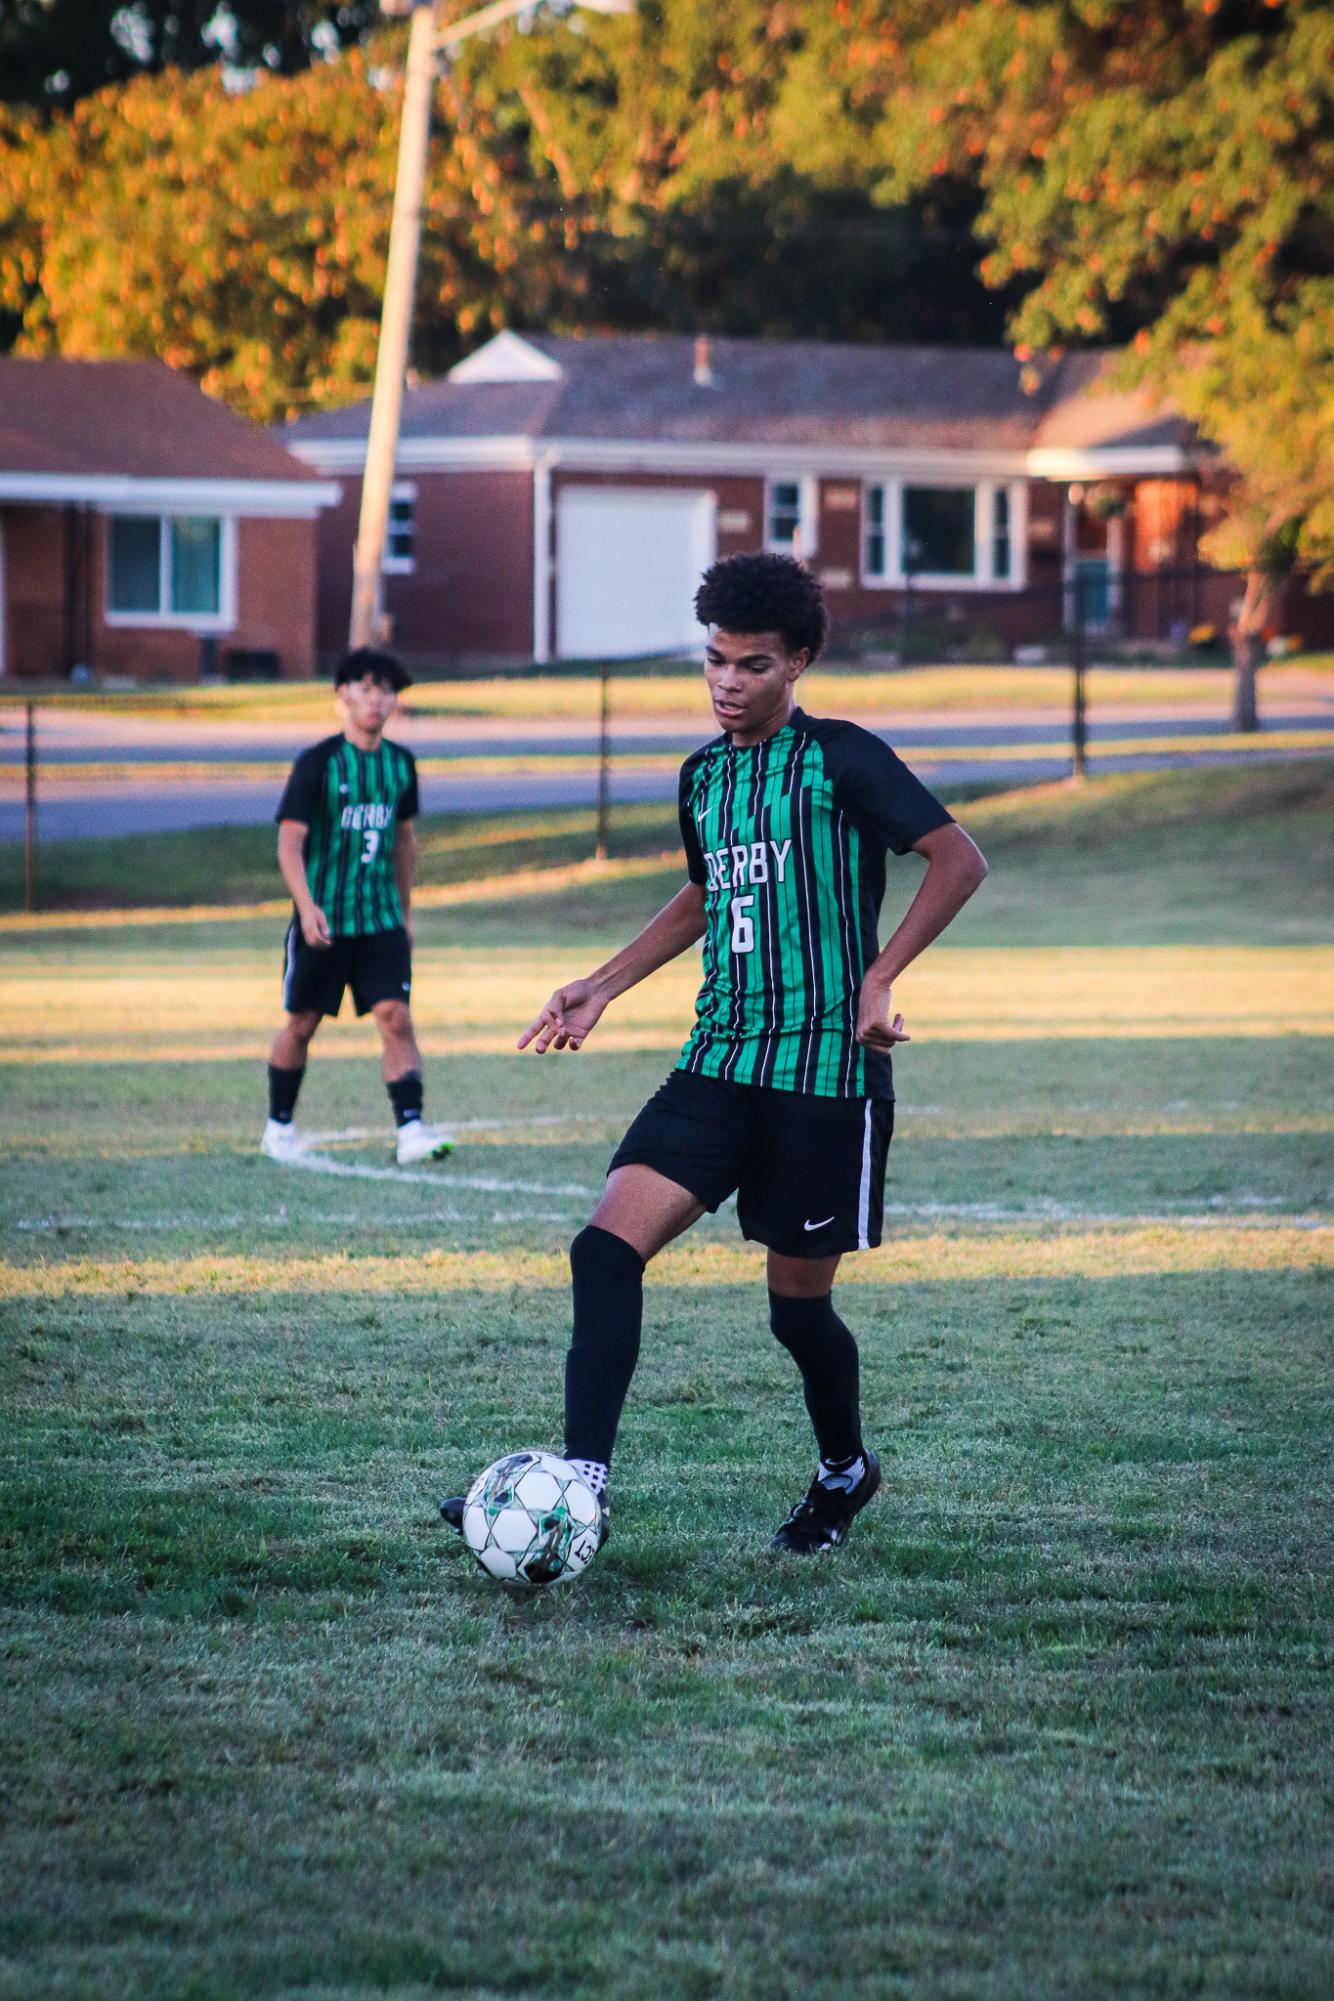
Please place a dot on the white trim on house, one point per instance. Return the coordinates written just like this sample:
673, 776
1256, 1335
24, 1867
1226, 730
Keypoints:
507, 357
806, 542
116, 493
1058, 462
224, 619
720, 457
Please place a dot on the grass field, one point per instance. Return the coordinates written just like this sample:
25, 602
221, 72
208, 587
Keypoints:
567, 696
1058, 1721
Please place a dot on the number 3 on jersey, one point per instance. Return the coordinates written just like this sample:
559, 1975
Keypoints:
743, 924
371, 836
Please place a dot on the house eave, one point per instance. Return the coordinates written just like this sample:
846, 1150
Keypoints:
121, 494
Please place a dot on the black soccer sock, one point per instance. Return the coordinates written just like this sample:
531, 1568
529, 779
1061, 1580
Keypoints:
284, 1087
405, 1095
608, 1279
826, 1354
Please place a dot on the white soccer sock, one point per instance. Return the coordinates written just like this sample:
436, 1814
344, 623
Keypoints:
841, 1474
593, 1474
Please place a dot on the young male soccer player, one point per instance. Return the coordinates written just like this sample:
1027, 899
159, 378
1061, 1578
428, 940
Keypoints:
783, 1094
347, 849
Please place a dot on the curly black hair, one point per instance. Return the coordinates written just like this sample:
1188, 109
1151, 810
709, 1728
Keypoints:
386, 668
763, 593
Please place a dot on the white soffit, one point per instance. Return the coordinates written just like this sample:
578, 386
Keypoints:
508, 357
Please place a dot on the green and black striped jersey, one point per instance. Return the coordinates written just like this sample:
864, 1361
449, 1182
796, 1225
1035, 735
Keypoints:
351, 801
788, 840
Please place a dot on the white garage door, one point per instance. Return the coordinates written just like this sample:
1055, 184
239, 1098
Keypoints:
628, 564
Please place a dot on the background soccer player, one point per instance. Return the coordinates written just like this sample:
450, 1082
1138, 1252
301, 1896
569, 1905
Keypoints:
347, 849
783, 1094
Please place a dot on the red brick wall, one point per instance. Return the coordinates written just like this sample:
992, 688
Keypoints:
275, 603
34, 578
471, 593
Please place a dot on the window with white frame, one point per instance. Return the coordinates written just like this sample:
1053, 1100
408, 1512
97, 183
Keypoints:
936, 533
400, 541
168, 568
790, 516
940, 531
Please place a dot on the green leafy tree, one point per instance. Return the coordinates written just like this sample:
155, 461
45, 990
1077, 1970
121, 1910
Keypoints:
53, 52
1164, 174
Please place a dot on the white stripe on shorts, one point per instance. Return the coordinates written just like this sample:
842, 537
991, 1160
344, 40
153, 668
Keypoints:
289, 966
864, 1198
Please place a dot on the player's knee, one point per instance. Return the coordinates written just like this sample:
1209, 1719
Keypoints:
797, 1322
394, 1017
303, 1026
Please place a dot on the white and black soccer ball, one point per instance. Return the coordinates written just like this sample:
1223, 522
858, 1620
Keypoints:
530, 1519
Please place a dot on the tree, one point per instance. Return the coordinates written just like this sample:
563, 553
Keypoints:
1163, 174
53, 52
676, 170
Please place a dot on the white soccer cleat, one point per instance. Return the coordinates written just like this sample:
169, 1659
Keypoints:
280, 1141
418, 1142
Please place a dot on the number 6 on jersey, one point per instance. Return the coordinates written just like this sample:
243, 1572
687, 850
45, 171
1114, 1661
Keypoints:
743, 924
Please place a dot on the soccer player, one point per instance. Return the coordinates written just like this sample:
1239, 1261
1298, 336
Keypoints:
347, 849
783, 1094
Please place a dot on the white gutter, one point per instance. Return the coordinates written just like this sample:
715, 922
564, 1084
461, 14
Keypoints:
119, 493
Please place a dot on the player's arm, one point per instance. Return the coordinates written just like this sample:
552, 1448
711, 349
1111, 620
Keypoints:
405, 867
292, 861
954, 869
575, 1009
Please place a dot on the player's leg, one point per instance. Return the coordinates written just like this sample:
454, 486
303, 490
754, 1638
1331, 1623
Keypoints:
287, 1070
640, 1211
312, 988
382, 986
680, 1157
814, 1192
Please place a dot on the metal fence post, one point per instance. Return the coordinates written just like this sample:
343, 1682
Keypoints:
1079, 715
604, 764
30, 814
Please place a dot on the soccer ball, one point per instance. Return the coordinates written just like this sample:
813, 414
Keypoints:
530, 1519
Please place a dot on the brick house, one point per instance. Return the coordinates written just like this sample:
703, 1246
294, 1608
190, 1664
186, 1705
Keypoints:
147, 530
557, 497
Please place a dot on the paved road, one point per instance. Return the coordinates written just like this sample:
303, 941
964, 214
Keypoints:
101, 806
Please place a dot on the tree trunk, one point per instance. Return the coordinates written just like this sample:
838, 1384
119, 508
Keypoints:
1246, 632
1245, 659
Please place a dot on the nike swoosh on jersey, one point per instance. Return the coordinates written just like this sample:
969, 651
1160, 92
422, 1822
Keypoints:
818, 1226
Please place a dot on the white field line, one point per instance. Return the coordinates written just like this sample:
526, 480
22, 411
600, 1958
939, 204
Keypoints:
353, 1133
486, 1184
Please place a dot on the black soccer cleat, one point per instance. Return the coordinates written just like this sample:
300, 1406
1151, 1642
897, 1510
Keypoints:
821, 1520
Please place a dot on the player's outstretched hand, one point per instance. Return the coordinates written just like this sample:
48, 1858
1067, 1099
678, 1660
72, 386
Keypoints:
566, 1019
315, 927
877, 1028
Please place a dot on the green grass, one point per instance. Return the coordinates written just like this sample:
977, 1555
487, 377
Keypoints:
676, 691
1057, 1722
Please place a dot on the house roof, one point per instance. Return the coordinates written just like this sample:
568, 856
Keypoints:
103, 423
647, 388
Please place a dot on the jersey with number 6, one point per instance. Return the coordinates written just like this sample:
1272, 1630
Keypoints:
788, 840
352, 801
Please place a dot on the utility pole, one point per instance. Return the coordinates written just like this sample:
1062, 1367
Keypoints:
426, 41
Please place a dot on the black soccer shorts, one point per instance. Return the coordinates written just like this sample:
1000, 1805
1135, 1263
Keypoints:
808, 1173
377, 965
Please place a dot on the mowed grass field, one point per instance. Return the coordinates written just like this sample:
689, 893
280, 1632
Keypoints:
1055, 1724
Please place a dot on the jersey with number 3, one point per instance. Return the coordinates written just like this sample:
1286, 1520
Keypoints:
788, 841
351, 802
